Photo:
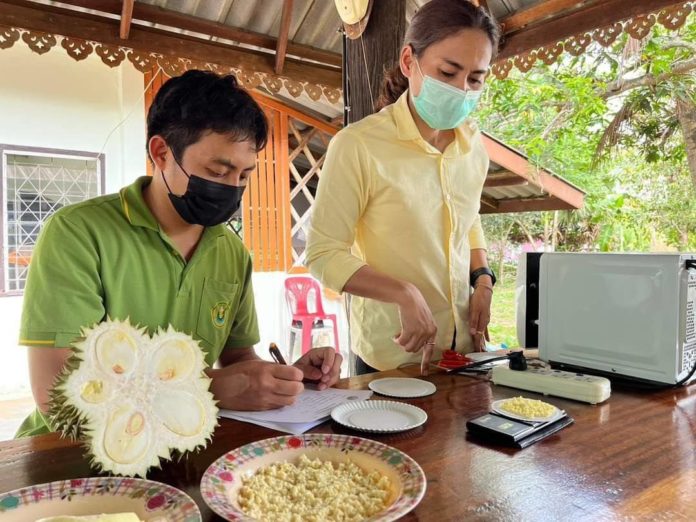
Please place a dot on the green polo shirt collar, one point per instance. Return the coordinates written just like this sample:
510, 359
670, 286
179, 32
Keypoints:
134, 206
138, 213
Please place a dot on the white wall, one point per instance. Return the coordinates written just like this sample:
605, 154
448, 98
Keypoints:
52, 101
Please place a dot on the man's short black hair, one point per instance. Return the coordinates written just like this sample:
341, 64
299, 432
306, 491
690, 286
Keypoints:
197, 102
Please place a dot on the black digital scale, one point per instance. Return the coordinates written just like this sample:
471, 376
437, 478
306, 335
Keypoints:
498, 429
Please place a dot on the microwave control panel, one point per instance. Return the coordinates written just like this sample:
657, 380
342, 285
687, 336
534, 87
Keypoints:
689, 350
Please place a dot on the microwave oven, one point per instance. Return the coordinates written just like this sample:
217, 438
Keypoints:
618, 315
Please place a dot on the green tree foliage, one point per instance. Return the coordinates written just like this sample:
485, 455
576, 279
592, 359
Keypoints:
608, 122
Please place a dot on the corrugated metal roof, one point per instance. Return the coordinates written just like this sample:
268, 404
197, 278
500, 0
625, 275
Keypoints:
314, 22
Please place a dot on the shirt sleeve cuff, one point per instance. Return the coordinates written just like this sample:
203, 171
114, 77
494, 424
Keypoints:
241, 342
48, 339
476, 243
336, 274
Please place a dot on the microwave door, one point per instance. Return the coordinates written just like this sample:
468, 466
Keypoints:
612, 317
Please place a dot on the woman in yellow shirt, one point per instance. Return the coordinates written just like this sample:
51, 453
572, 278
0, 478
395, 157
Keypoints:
396, 218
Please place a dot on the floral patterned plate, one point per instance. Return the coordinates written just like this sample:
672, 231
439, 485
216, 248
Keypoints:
151, 501
222, 479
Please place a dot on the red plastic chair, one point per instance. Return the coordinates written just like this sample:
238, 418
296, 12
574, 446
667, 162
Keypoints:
297, 294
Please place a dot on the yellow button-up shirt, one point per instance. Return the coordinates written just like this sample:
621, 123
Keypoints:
390, 200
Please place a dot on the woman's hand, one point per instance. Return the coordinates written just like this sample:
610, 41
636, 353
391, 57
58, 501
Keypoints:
322, 365
480, 314
418, 328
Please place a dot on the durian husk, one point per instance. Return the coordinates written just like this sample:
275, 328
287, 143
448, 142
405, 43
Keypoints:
133, 400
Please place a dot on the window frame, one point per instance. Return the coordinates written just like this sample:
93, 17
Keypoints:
7, 149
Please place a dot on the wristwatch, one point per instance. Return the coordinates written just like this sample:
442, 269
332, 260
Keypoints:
484, 270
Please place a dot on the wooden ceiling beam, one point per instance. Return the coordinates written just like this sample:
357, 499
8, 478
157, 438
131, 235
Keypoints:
504, 179
535, 204
540, 12
489, 202
293, 112
513, 161
283, 34
126, 18
599, 14
153, 14
66, 22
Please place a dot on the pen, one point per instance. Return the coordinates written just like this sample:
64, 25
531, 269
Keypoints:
278, 357
275, 353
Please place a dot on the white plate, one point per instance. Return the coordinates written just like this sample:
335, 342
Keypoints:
379, 416
402, 387
497, 407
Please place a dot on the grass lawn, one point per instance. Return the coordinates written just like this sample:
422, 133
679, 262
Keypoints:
502, 327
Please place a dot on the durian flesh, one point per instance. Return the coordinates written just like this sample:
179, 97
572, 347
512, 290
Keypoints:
134, 399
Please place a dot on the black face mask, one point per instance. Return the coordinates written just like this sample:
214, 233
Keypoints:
206, 202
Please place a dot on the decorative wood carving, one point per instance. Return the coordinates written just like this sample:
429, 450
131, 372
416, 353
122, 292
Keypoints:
525, 62
674, 17
273, 84
640, 26
293, 87
606, 36
550, 53
8, 37
110, 55
577, 45
313, 91
76, 48
501, 69
143, 62
171, 66
39, 42
333, 95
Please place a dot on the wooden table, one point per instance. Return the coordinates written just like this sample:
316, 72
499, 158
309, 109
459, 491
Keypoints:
632, 458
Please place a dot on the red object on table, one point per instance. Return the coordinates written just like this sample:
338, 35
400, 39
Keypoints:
452, 360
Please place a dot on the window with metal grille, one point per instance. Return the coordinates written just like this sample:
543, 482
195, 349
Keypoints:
35, 184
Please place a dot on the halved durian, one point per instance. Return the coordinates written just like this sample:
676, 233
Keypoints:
134, 399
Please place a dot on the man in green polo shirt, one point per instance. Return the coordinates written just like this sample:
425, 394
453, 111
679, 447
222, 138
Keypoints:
160, 253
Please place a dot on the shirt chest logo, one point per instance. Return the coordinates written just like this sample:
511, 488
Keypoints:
219, 313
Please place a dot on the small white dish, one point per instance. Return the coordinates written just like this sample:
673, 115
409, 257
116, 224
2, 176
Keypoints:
379, 416
402, 387
497, 408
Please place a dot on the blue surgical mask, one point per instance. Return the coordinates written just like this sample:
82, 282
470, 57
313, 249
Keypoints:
442, 106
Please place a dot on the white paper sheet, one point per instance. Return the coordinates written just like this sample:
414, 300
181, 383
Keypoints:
311, 407
294, 428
